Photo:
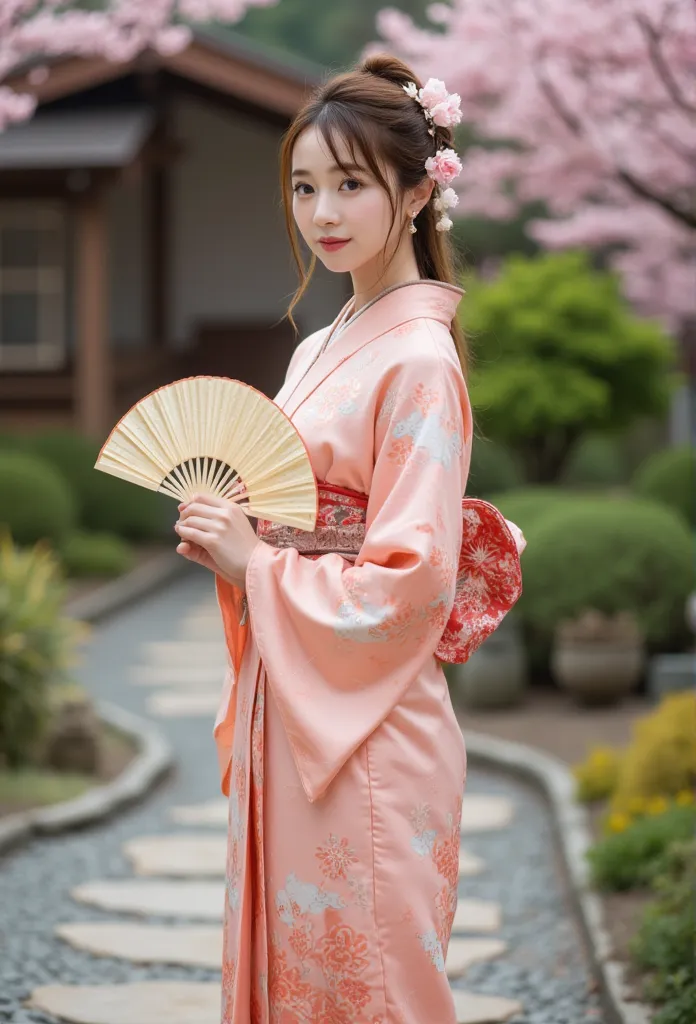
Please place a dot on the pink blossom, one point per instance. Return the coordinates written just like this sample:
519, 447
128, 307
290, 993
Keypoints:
118, 31
433, 92
444, 167
590, 108
447, 113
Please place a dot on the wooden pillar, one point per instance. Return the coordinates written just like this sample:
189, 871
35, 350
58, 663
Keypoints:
93, 381
156, 248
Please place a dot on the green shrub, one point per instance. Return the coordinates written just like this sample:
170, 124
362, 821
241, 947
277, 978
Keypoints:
95, 554
529, 507
595, 461
611, 555
493, 469
664, 945
670, 478
35, 501
105, 503
558, 351
630, 859
36, 646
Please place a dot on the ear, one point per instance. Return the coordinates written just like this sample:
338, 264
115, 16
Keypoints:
420, 195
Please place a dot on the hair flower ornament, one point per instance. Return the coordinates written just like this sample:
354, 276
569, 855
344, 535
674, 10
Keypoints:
440, 109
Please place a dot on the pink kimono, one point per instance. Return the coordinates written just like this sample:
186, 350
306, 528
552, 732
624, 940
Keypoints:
339, 748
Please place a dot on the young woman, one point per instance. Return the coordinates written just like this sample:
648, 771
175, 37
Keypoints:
339, 747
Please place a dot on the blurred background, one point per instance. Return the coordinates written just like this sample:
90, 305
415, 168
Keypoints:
142, 240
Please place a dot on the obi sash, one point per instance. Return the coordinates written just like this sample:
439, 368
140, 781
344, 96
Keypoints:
489, 577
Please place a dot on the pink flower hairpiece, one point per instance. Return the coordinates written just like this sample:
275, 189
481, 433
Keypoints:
440, 109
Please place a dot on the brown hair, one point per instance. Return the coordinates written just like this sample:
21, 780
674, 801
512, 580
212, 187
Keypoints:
368, 108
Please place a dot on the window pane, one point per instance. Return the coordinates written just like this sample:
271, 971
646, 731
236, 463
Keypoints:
19, 319
20, 247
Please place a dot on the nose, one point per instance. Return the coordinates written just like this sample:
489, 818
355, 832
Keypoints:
324, 209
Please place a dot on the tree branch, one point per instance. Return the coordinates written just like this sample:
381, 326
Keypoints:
684, 216
687, 217
661, 66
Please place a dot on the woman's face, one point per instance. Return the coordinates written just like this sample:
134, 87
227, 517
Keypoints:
328, 203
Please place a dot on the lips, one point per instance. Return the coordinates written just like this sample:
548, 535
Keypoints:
333, 245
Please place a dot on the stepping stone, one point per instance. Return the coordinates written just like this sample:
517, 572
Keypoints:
482, 813
178, 856
470, 865
477, 916
198, 901
146, 1002
147, 943
185, 652
214, 812
462, 953
202, 626
178, 675
183, 705
476, 1009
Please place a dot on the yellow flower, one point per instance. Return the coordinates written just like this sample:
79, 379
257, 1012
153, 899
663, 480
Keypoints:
656, 805
684, 797
618, 822
636, 805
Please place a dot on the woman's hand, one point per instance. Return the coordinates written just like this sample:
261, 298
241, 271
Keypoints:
216, 533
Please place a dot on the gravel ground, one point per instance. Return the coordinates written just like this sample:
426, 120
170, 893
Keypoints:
544, 967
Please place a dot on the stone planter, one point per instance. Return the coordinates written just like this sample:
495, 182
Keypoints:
495, 676
598, 658
597, 673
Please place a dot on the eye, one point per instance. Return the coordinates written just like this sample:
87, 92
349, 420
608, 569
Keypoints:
352, 181
298, 186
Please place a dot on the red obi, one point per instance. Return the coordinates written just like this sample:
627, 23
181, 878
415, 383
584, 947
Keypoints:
489, 577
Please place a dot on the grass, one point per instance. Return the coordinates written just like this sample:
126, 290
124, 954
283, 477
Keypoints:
25, 788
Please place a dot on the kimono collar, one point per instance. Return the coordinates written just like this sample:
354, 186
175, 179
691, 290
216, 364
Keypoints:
432, 300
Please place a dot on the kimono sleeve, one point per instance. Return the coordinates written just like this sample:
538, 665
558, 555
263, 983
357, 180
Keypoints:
341, 643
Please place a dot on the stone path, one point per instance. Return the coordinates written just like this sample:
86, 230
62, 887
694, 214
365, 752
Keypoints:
120, 924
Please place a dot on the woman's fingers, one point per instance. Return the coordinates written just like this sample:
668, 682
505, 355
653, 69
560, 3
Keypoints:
200, 523
194, 535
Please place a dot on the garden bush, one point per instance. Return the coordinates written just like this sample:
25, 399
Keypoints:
95, 554
670, 477
104, 502
595, 461
36, 502
664, 945
596, 777
633, 854
558, 351
493, 469
37, 645
529, 507
661, 759
611, 555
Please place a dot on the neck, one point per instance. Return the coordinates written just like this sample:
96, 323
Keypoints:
373, 277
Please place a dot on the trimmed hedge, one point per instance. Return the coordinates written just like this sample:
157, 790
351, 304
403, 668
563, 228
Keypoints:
493, 469
36, 503
95, 554
597, 460
612, 555
105, 503
670, 478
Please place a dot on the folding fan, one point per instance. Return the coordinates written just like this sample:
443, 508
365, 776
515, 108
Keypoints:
213, 435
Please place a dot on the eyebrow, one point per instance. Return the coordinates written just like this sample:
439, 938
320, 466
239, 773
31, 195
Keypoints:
334, 167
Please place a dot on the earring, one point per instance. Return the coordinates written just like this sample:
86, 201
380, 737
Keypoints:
412, 227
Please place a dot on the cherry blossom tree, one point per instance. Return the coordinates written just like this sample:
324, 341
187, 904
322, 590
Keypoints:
33, 30
589, 107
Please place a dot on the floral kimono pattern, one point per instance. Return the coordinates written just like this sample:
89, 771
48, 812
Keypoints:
339, 748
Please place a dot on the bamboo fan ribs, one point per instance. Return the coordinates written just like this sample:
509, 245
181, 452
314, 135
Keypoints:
213, 435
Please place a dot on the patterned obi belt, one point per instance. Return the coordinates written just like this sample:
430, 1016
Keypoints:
489, 578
